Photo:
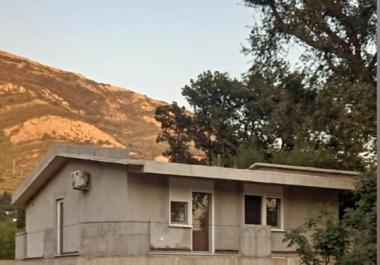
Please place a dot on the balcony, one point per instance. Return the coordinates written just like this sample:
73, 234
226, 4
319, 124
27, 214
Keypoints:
131, 238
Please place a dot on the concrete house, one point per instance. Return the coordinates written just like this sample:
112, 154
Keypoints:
91, 205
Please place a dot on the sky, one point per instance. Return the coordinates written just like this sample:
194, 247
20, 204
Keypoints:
151, 47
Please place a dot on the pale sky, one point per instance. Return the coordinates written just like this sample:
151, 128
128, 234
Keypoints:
151, 47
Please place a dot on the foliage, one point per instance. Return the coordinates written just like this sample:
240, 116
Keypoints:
8, 226
351, 241
338, 64
214, 127
360, 221
337, 37
5, 206
176, 125
216, 100
346, 112
7, 239
247, 156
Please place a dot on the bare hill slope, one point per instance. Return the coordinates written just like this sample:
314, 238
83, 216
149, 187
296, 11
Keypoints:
42, 105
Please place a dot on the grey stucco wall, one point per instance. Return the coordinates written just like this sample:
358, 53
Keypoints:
148, 198
301, 203
105, 201
41, 215
148, 202
228, 216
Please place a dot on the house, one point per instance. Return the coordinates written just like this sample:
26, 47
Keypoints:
91, 205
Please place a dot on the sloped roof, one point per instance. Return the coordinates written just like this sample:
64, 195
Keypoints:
259, 172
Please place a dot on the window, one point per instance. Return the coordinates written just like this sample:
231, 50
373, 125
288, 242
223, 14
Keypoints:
59, 226
178, 212
262, 210
252, 208
273, 206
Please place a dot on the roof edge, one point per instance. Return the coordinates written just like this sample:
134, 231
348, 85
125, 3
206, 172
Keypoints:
90, 152
304, 169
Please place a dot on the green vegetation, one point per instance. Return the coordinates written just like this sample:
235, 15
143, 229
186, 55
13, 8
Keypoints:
12, 220
351, 241
321, 112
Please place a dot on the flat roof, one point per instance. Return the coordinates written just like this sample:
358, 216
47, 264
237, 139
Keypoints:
258, 173
303, 169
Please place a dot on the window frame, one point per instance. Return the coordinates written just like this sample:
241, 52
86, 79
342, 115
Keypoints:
179, 224
281, 219
264, 197
60, 204
261, 208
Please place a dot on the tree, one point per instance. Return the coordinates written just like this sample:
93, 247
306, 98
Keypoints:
216, 100
337, 36
176, 126
360, 222
214, 127
338, 63
283, 104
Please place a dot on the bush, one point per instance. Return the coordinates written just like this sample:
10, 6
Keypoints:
348, 242
7, 240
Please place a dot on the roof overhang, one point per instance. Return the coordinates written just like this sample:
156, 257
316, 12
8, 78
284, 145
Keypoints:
258, 173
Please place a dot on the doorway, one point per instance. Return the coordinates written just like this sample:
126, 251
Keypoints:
201, 209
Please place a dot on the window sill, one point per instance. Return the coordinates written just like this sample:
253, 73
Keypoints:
190, 253
71, 254
31, 258
277, 230
180, 225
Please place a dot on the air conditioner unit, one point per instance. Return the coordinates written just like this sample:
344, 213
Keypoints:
80, 180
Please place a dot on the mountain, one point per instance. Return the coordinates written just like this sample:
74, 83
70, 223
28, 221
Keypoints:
42, 105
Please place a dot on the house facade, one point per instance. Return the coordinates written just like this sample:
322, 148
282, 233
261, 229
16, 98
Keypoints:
91, 205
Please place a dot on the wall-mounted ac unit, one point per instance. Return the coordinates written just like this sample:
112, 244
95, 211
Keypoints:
80, 180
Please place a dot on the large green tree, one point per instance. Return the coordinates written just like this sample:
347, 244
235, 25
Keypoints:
176, 126
338, 63
214, 127
337, 37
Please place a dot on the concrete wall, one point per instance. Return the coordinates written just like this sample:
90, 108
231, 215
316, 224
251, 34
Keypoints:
301, 203
115, 239
20, 251
105, 201
164, 237
41, 214
148, 198
164, 260
228, 217
7, 262
255, 241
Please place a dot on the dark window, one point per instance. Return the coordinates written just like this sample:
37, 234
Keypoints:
273, 212
252, 210
178, 212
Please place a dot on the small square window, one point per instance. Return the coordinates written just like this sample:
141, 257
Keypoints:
273, 212
178, 212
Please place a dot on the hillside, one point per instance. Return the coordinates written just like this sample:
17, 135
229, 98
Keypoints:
41, 105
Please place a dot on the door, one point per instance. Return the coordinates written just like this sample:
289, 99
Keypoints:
201, 221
